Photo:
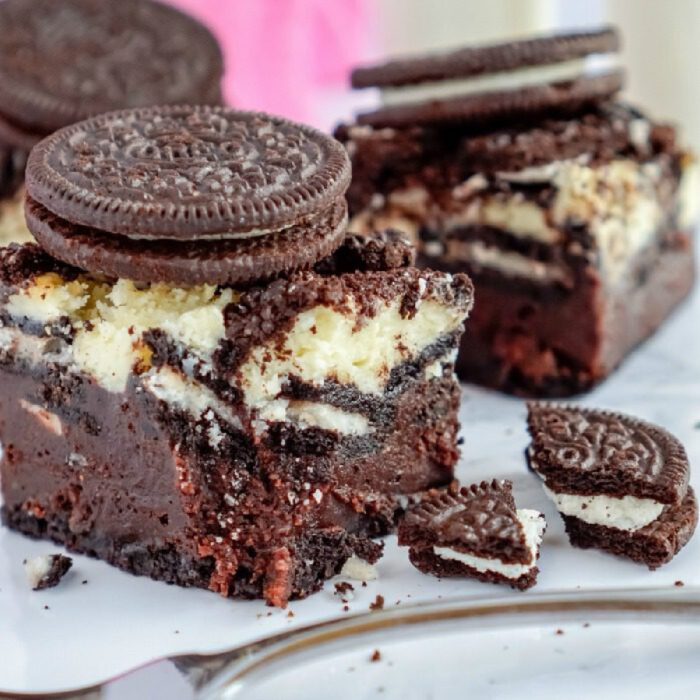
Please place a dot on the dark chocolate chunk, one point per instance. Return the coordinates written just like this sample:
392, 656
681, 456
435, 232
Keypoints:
589, 452
494, 58
63, 61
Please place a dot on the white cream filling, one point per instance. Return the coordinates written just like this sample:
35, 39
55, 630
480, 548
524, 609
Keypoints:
175, 389
327, 343
436, 369
310, 414
505, 261
529, 76
627, 513
49, 421
533, 528
13, 227
37, 568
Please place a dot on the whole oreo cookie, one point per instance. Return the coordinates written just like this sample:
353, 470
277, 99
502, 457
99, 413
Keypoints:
62, 61
187, 195
499, 82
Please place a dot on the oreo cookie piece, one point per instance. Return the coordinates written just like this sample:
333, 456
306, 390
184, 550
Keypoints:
188, 195
64, 61
476, 532
499, 82
47, 571
620, 484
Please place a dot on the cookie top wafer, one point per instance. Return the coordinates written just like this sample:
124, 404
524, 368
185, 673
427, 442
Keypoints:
63, 61
480, 519
500, 81
587, 452
188, 195
493, 58
187, 173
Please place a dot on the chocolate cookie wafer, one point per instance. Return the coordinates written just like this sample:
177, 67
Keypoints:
64, 61
499, 82
476, 532
620, 484
188, 195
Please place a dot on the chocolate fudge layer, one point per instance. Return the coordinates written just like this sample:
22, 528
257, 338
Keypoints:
475, 532
576, 229
620, 484
247, 434
63, 61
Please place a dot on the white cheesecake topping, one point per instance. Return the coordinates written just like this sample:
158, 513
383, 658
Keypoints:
329, 343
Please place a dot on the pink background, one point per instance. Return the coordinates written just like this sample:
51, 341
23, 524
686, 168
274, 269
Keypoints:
288, 57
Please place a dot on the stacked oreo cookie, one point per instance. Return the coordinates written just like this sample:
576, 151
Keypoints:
64, 61
518, 164
204, 378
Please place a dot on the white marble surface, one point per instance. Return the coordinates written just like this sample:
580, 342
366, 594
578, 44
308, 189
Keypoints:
83, 633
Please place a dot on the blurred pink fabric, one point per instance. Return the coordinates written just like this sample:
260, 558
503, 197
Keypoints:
288, 56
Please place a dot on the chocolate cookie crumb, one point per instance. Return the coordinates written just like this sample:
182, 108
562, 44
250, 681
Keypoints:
376, 656
378, 603
679, 584
344, 587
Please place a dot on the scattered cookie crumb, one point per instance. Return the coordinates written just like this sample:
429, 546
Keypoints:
46, 571
364, 584
378, 603
344, 587
290, 614
346, 608
679, 584
559, 633
586, 625
84, 582
376, 656
46, 607
177, 631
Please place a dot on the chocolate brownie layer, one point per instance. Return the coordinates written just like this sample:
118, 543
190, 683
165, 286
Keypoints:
248, 441
515, 341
